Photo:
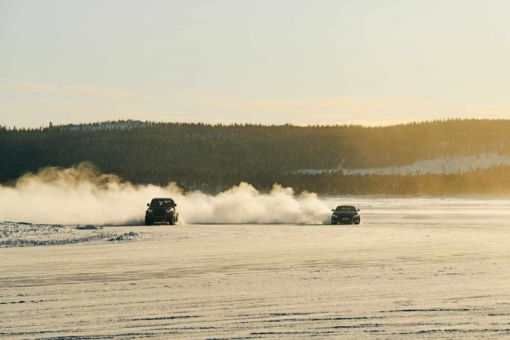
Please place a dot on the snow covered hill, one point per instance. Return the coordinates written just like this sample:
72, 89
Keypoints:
449, 165
104, 126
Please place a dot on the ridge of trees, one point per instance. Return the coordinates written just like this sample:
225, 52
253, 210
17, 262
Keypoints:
214, 157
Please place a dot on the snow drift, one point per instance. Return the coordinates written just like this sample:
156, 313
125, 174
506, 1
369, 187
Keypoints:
81, 195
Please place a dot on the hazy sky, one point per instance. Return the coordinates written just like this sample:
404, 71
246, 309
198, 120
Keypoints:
271, 62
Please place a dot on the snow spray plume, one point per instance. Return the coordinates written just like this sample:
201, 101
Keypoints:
82, 195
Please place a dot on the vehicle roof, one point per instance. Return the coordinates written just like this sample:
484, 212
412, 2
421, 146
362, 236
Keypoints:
346, 208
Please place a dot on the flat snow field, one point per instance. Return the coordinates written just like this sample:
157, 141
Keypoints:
413, 269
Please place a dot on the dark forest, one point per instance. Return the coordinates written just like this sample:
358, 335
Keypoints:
212, 158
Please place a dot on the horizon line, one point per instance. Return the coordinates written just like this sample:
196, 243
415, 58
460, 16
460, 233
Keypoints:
230, 124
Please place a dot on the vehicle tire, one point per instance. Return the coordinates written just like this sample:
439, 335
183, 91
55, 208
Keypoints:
171, 220
149, 221
357, 222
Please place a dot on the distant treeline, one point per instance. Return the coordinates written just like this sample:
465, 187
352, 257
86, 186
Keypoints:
215, 157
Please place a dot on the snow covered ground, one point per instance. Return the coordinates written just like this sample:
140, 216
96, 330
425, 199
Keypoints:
22, 234
416, 268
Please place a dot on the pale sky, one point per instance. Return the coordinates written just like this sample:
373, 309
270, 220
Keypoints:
370, 62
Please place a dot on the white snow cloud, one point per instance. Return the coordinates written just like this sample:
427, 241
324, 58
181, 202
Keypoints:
82, 195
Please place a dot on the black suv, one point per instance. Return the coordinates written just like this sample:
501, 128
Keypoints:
345, 214
161, 210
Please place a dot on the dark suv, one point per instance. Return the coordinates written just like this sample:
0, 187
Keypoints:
345, 214
161, 210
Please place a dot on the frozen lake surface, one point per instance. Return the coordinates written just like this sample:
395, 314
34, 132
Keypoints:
415, 268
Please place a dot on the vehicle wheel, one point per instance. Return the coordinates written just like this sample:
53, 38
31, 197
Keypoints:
357, 222
171, 220
149, 221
